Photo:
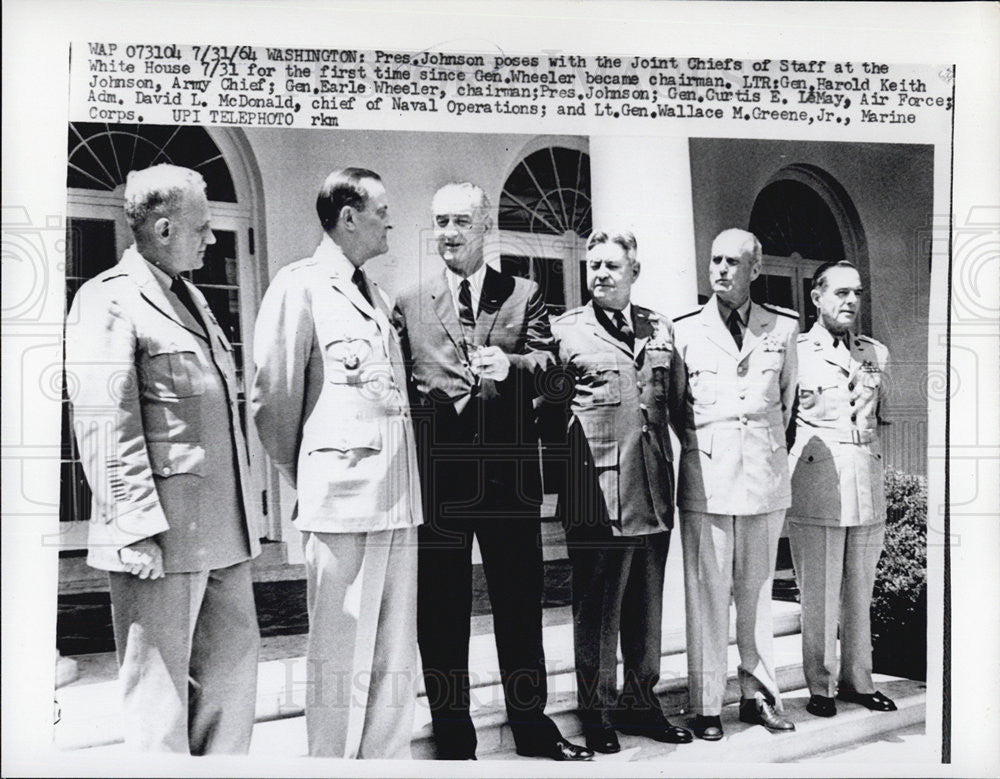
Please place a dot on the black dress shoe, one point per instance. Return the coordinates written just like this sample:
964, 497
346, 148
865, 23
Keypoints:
758, 711
708, 727
658, 729
560, 749
602, 739
875, 701
821, 706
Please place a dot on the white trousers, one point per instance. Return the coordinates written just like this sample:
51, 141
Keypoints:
187, 654
361, 657
729, 558
835, 569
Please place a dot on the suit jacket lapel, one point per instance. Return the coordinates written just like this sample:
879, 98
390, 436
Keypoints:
496, 290
153, 293
643, 329
717, 332
444, 308
600, 331
757, 324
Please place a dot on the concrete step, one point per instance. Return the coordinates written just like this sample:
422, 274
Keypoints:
91, 705
288, 735
848, 736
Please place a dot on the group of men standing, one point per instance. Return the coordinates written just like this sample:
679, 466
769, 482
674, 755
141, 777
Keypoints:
409, 431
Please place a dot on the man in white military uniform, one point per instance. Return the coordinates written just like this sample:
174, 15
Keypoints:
330, 405
837, 518
173, 517
732, 389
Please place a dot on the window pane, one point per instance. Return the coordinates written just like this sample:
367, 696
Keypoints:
90, 247
776, 290
220, 262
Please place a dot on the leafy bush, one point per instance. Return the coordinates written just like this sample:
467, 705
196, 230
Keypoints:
899, 602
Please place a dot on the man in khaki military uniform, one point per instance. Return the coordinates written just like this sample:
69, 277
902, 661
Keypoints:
173, 518
329, 401
616, 357
732, 389
837, 517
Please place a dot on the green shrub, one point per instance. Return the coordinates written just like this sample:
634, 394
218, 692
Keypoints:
899, 602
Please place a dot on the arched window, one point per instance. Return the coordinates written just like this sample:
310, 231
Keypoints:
544, 218
804, 218
100, 157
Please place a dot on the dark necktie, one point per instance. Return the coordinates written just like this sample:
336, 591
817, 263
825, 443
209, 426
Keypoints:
625, 331
734, 328
179, 288
841, 339
465, 313
362, 284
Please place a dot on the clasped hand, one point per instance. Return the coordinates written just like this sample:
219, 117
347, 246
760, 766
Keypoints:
490, 362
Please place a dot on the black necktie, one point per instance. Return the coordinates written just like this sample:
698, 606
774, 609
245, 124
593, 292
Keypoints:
179, 288
465, 313
362, 284
625, 331
734, 328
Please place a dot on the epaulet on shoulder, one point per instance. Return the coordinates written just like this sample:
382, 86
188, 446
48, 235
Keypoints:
869, 340
112, 276
567, 315
688, 314
803, 337
781, 311
308, 262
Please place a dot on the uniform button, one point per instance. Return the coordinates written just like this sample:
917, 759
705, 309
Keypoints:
643, 406
809, 458
743, 420
638, 385
857, 342
743, 396
645, 428
850, 386
166, 470
742, 370
852, 402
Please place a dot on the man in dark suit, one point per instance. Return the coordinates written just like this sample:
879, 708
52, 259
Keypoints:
616, 361
173, 519
476, 341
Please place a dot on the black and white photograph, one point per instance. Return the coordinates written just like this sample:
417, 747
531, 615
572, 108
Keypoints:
373, 401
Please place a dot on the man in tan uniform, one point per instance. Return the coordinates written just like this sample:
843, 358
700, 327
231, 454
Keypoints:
329, 400
173, 518
732, 389
837, 519
616, 360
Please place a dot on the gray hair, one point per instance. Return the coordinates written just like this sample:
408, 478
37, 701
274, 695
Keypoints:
622, 238
156, 191
478, 196
750, 244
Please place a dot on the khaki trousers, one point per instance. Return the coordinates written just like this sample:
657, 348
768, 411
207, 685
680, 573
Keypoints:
361, 656
187, 654
729, 558
835, 568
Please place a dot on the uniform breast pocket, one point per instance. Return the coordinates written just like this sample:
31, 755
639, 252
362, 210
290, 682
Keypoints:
703, 380
170, 372
871, 380
600, 384
345, 356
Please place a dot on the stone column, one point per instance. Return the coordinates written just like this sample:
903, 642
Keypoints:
644, 185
